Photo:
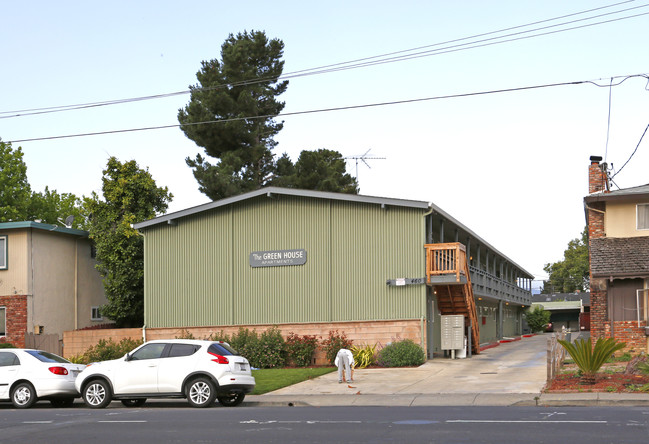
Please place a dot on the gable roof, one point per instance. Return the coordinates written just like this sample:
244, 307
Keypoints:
626, 257
269, 191
640, 192
42, 226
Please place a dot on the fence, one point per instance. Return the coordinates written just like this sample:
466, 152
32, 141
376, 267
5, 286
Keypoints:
49, 343
556, 353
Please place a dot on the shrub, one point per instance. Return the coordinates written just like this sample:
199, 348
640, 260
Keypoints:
590, 359
185, 334
537, 318
402, 353
220, 336
77, 359
272, 351
107, 350
364, 356
335, 342
246, 342
300, 349
6, 345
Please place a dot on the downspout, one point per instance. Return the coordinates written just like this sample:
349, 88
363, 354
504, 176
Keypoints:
425, 340
76, 284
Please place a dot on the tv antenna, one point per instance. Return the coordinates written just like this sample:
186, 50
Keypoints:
363, 158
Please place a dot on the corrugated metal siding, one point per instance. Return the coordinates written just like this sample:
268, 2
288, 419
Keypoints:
198, 272
282, 294
371, 245
188, 272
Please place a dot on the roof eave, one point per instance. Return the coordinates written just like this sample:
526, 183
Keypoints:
270, 191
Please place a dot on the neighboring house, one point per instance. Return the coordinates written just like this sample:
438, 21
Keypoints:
48, 283
309, 262
618, 231
569, 310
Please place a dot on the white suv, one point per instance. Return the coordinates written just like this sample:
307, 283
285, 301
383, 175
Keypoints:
177, 368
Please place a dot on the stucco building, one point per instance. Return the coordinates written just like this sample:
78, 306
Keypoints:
48, 283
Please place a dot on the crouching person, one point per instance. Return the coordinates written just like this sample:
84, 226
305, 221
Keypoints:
344, 361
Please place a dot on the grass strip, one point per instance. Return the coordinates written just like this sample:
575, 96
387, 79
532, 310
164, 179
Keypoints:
269, 379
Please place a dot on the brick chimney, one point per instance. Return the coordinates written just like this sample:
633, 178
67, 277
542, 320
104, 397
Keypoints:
597, 177
597, 182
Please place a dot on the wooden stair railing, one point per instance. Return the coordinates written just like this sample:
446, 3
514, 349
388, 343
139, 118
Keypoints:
454, 291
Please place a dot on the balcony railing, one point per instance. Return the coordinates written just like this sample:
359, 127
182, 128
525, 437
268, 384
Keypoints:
449, 260
445, 259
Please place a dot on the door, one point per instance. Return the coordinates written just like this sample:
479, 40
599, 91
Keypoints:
9, 370
178, 363
139, 374
430, 323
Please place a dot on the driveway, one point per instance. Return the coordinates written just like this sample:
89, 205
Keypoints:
512, 367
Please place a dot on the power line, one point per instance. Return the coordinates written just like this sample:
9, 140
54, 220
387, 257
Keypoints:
321, 110
367, 61
633, 153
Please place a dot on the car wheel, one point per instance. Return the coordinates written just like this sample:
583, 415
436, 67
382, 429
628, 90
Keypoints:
23, 395
231, 399
200, 392
134, 402
62, 402
97, 394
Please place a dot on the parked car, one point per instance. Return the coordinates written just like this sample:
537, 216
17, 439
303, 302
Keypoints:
198, 370
27, 376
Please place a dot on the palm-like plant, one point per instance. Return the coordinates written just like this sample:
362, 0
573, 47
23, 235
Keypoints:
590, 359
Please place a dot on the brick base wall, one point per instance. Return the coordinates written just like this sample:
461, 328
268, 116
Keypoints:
16, 319
370, 332
629, 332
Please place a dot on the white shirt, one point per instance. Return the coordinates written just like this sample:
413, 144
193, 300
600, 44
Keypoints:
348, 353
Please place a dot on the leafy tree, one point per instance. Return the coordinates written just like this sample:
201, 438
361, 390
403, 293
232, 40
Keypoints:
572, 273
15, 191
244, 83
537, 318
130, 195
321, 170
52, 208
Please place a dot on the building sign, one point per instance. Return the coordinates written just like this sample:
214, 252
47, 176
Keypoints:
277, 258
405, 281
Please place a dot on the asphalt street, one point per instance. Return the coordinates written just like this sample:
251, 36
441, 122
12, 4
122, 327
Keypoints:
163, 422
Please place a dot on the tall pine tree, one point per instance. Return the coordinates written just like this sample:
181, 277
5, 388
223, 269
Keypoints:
243, 84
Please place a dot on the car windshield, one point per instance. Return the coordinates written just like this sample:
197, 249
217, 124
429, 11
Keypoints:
223, 349
44, 356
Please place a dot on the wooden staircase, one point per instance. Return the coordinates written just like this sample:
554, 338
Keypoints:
447, 272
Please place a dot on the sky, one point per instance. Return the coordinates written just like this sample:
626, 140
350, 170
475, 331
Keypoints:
511, 166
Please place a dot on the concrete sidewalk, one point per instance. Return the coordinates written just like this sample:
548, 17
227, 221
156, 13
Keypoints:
514, 373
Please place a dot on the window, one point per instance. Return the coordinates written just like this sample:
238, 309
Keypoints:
8, 358
222, 349
643, 216
3, 252
44, 356
3, 321
624, 301
95, 314
183, 350
149, 351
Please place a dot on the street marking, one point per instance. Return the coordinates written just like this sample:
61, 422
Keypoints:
253, 421
525, 421
121, 421
38, 422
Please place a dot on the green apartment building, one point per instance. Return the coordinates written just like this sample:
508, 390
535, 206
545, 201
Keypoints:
310, 262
